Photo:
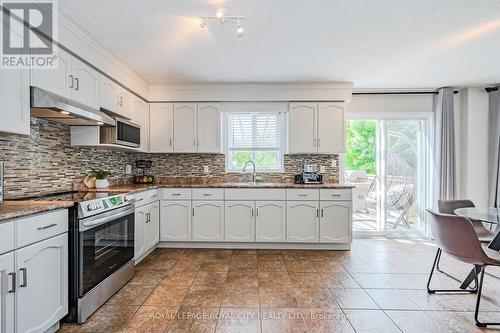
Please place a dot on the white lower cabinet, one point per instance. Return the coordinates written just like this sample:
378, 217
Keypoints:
7, 289
147, 228
175, 222
336, 222
239, 221
270, 221
42, 293
139, 232
303, 221
153, 225
208, 221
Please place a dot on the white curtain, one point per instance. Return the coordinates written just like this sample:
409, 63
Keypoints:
494, 149
445, 178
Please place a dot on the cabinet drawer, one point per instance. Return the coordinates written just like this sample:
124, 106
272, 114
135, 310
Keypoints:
176, 194
39, 227
208, 194
335, 195
146, 197
300, 194
255, 194
6, 237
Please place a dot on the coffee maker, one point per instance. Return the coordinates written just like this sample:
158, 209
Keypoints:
309, 175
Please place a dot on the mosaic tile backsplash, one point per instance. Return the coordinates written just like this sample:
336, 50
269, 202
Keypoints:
45, 162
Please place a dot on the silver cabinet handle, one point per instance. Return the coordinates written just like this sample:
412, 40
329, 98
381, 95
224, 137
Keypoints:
170, 142
336, 195
322, 212
24, 282
154, 196
176, 194
77, 85
71, 81
193, 211
13, 283
317, 212
252, 212
47, 226
302, 195
207, 194
256, 212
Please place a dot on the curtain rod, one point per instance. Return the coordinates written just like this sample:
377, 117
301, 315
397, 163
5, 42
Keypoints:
401, 93
490, 89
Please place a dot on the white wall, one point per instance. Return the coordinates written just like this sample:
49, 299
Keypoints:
389, 104
473, 145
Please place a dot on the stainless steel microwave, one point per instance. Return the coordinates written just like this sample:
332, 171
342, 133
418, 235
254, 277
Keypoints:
124, 133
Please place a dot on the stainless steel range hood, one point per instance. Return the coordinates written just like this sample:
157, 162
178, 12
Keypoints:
53, 107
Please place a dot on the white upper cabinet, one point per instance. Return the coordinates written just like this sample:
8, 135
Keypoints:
302, 128
336, 222
331, 128
185, 128
270, 221
209, 139
303, 221
7, 288
85, 84
124, 100
316, 128
161, 128
140, 116
208, 221
108, 95
240, 221
58, 80
73, 79
15, 101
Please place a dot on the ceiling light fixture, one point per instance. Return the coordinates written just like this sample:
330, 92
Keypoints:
222, 19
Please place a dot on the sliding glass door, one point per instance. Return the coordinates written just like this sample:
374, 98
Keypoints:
387, 160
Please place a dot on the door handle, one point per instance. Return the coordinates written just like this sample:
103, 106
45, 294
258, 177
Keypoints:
257, 212
24, 280
13, 282
47, 226
322, 212
71, 81
77, 85
192, 211
317, 212
170, 142
252, 212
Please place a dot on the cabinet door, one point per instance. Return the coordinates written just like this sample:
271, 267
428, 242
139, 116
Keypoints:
161, 128
58, 80
336, 222
239, 221
270, 221
208, 221
108, 95
15, 101
302, 221
140, 116
42, 294
185, 138
302, 136
125, 103
153, 225
7, 289
331, 128
140, 219
209, 128
175, 223
86, 84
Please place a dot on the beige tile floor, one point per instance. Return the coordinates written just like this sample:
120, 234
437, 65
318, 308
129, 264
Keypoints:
379, 286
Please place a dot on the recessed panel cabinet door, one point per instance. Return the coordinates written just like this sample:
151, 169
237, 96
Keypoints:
7, 289
139, 232
42, 293
58, 80
331, 128
335, 222
302, 221
270, 221
208, 221
208, 128
108, 95
240, 221
185, 123
161, 128
302, 128
15, 101
86, 84
140, 117
175, 223
153, 225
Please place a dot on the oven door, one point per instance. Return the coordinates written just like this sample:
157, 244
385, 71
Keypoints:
127, 133
106, 243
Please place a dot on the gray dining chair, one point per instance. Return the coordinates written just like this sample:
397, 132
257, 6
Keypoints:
457, 238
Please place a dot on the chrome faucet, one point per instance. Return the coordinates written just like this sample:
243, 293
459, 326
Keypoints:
254, 174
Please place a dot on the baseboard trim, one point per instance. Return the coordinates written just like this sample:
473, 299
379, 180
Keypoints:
263, 246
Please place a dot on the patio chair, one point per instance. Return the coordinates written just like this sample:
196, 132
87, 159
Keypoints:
456, 237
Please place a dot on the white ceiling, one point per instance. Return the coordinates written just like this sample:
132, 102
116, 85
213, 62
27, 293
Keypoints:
373, 43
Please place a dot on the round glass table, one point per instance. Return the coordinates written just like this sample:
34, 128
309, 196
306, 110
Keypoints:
490, 215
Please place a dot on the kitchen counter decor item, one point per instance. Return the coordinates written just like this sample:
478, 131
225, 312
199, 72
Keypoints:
144, 179
101, 178
89, 181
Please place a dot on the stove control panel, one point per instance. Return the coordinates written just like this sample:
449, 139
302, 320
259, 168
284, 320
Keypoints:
92, 207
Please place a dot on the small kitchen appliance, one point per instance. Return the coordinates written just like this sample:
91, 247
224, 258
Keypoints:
144, 179
309, 175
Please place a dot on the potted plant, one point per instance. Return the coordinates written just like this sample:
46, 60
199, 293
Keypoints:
101, 178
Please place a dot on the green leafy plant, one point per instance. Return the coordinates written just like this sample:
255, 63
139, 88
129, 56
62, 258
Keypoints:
100, 174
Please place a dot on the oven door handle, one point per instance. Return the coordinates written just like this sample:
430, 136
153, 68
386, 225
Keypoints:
94, 222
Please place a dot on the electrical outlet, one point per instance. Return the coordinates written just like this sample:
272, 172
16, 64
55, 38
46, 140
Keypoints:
334, 163
322, 169
206, 169
128, 169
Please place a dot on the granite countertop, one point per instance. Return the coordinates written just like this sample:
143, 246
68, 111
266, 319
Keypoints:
14, 209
